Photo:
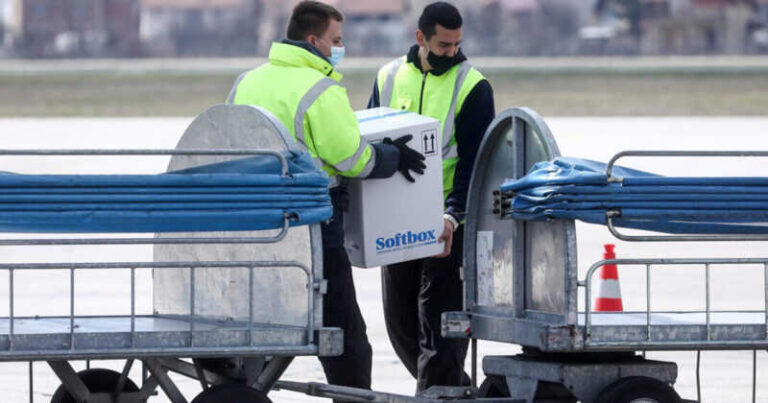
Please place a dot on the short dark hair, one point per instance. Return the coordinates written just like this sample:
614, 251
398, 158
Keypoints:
311, 17
439, 13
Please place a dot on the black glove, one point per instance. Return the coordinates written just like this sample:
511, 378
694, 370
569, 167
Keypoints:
410, 160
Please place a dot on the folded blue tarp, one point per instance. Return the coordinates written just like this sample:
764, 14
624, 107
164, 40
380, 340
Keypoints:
244, 194
569, 188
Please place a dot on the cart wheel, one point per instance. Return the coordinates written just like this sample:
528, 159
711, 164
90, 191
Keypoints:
494, 386
231, 393
638, 389
97, 380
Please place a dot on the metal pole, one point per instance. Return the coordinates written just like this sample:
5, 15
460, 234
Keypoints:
643, 153
765, 293
31, 383
123, 379
146, 152
588, 299
648, 300
250, 306
709, 333
698, 376
133, 307
200, 375
150, 241
754, 376
191, 306
72, 308
610, 215
311, 305
10, 299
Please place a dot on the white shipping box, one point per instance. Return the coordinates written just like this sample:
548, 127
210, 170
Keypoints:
393, 220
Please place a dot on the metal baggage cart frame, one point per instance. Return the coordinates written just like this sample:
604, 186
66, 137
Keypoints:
570, 352
251, 355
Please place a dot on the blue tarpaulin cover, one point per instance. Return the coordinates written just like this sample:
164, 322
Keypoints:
243, 194
571, 188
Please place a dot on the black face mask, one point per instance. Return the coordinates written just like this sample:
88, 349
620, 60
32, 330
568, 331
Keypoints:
442, 63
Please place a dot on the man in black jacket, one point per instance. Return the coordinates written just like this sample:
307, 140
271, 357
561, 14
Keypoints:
435, 79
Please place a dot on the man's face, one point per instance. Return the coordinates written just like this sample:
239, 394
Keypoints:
445, 42
331, 37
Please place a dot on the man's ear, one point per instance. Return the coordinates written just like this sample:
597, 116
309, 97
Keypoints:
312, 39
420, 38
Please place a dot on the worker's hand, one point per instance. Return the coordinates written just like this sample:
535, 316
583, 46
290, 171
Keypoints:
410, 160
446, 237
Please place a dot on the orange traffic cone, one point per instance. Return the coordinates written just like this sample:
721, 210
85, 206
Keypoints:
608, 297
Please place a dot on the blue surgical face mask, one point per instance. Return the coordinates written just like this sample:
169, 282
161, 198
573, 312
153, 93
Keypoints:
337, 53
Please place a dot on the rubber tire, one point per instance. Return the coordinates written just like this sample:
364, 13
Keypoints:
97, 380
493, 386
626, 390
231, 393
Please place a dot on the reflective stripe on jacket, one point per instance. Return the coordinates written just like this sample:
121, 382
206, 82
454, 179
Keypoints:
303, 91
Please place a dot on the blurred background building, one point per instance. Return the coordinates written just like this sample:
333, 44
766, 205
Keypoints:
47, 28
199, 27
371, 27
681, 26
171, 28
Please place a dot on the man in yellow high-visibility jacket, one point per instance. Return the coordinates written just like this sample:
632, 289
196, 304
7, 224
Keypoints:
435, 79
300, 86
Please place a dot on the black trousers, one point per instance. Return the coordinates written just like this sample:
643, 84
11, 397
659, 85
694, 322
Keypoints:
415, 294
340, 309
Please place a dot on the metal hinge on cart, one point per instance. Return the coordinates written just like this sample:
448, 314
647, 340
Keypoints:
321, 286
498, 199
456, 325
